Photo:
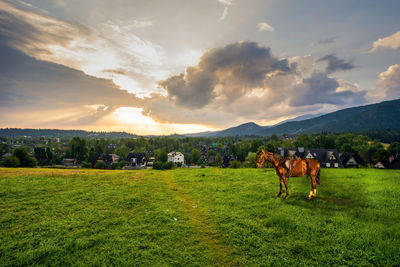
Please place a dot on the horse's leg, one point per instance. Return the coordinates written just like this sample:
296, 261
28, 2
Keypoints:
281, 186
287, 187
313, 191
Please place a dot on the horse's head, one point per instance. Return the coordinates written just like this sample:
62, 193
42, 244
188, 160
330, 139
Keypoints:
265, 156
261, 159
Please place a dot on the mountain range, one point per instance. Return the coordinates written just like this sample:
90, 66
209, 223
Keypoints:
379, 116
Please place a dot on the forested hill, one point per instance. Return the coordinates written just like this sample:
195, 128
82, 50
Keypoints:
380, 116
17, 132
384, 115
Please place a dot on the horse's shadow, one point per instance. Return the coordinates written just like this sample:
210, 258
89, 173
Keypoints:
323, 203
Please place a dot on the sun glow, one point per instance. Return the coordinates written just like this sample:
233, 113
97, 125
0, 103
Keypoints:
132, 120
132, 116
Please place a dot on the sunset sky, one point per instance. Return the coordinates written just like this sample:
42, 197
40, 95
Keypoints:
179, 66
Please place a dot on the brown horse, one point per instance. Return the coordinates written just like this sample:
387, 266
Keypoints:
286, 168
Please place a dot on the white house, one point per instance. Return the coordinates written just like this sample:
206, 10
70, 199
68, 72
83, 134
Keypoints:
176, 157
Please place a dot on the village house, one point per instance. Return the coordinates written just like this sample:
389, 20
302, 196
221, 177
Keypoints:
176, 157
69, 162
211, 159
328, 158
151, 161
394, 162
351, 160
112, 146
135, 160
6, 155
383, 164
108, 159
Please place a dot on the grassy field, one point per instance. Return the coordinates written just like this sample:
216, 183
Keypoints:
197, 217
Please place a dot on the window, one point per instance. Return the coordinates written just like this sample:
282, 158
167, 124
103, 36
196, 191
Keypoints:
328, 165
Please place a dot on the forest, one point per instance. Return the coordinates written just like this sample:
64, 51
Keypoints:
371, 147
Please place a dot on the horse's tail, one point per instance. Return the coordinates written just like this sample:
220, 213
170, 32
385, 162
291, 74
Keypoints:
318, 178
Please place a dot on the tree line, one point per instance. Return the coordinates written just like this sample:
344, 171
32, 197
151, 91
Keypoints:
197, 150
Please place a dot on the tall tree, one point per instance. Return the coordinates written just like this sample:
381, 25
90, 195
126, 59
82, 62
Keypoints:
195, 156
78, 148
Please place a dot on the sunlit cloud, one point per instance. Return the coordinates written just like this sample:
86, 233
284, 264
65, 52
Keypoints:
111, 47
388, 83
265, 27
392, 42
226, 4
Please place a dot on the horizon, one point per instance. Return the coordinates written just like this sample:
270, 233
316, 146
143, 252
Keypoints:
297, 119
156, 68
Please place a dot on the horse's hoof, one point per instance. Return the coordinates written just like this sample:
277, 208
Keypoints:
286, 197
278, 195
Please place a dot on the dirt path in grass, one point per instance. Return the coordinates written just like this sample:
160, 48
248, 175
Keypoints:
207, 234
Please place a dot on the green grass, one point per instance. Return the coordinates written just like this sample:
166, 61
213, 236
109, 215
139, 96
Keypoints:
197, 217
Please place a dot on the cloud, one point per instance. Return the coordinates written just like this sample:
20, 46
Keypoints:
124, 26
321, 89
30, 86
392, 41
329, 40
227, 85
244, 81
388, 82
113, 46
304, 66
263, 27
226, 4
336, 64
224, 73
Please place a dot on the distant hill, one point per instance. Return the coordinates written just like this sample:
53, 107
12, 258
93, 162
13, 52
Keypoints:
380, 116
244, 129
301, 118
53, 133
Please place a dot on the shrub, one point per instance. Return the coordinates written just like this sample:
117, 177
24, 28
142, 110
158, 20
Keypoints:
168, 165
114, 166
235, 164
24, 159
121, 164
158, 165
100, 165
11, 161
86, 164
179, 164
251, 161
161, 155
30, 162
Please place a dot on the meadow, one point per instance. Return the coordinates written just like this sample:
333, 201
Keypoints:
197, 217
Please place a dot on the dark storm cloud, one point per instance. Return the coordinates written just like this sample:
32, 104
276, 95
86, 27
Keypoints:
235, 68
335, 63
321, 89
